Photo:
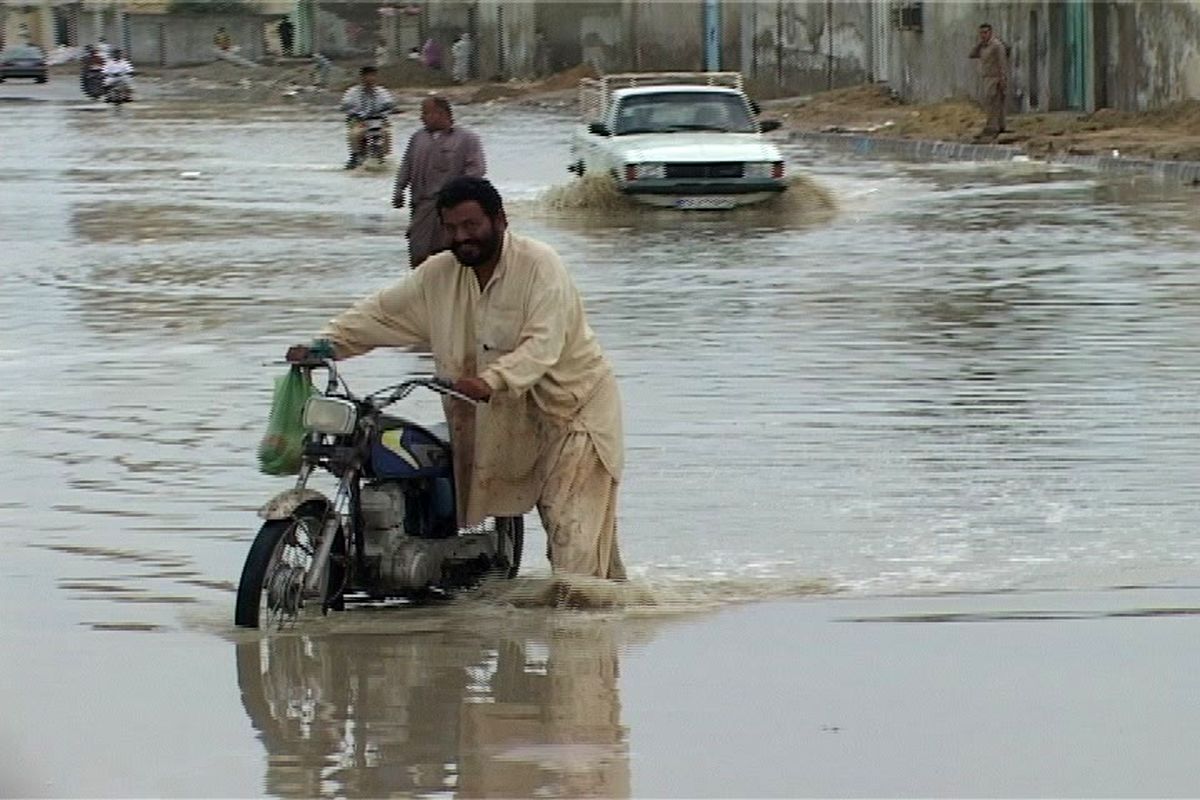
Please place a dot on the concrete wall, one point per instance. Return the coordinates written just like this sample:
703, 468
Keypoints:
1137, 54
798, 47
667, 35
505, 40
1159, 43
177, 40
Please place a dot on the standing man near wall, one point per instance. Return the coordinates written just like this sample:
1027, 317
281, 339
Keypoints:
287, 36
993, 71
436, 154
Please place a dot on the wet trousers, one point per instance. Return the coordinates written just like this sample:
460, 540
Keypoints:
425, 234
578, 507
993, 102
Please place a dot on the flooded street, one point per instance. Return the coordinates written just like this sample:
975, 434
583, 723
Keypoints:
970, 380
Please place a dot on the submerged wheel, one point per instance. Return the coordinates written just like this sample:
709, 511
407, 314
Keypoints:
272, 584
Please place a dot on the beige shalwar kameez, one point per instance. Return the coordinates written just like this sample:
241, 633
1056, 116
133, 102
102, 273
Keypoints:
993, 72
431, 160
551, 435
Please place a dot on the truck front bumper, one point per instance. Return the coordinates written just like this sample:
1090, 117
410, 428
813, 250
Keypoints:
680, 188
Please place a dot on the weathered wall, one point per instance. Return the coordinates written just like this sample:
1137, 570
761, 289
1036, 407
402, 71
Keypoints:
1165, 39
1138, 54
177, 39
504, 39
1133, 54
667, 35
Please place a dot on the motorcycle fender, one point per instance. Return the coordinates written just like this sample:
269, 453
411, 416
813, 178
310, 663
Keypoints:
283, 504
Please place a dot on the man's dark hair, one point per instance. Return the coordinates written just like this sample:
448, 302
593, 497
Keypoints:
464, 189
367, 70
441, 102
987, 26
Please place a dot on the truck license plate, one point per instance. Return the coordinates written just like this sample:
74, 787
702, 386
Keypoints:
715, 203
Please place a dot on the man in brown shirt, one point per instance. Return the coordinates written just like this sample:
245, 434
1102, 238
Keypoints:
993, 70
437, 154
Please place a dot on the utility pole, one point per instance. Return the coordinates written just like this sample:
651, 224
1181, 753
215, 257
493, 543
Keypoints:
828, 44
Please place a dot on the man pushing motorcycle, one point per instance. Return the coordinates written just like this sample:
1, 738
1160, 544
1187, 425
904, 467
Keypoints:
506, 324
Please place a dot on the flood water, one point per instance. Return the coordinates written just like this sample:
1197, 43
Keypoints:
968, 378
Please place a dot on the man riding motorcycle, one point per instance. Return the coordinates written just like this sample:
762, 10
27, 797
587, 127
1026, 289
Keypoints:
117, 74
365, 101
91, 72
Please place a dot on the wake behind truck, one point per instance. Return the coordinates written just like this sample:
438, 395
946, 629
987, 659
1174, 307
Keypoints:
687, 140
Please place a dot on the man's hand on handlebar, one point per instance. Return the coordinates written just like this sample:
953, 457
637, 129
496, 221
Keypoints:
474, 388
309, 355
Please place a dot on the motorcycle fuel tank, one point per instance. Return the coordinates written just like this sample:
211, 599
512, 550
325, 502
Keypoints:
409, 451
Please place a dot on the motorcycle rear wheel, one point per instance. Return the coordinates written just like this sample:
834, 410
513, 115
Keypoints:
270, 591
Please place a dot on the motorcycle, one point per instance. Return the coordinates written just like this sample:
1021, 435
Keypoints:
374, 148
375, 139
390, 530
118, 91
93, 82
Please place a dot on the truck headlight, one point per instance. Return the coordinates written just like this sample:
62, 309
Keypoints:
330, 415
764, 169
648, 169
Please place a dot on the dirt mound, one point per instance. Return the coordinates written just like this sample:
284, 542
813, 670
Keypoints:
950, 120
558, 83
567, 79
408, 74
855, 108
869, 96
497, 91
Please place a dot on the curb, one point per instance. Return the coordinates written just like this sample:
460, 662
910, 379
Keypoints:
1186, 172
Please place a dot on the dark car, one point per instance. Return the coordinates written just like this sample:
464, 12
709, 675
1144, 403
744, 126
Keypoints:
23, 61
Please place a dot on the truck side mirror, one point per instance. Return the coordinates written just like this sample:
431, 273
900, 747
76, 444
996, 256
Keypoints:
767, 125
599, 129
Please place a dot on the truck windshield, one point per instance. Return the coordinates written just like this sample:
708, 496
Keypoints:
667, 112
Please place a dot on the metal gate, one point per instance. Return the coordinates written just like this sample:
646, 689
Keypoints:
1077, 72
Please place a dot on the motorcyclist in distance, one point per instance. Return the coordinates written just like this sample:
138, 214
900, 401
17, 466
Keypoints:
360, 103
91, 72
118, 69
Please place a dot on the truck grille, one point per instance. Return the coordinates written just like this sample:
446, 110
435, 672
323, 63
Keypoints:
705, 169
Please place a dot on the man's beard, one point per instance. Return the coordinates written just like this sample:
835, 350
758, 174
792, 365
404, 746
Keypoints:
474, 252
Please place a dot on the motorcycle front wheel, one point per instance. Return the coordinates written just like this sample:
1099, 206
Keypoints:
271, 589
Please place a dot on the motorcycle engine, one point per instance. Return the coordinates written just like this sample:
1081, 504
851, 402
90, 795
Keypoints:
398, 562
401, 560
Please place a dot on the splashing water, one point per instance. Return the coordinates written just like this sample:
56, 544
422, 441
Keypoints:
596, 195
636, 597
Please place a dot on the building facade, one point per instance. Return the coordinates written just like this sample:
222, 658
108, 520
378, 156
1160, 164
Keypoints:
1065, 54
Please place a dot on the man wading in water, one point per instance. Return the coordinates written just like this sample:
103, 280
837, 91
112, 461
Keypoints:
504, 320
436, 154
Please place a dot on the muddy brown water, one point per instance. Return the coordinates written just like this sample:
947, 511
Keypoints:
905, 380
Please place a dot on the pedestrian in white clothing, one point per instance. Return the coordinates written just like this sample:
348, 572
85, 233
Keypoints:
460, 56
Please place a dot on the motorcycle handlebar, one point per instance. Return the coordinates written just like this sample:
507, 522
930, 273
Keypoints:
433, 383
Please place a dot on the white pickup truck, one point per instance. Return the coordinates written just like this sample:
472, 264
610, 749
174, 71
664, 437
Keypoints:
686, 140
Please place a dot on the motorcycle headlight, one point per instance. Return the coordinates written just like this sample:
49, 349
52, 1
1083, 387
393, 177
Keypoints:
329, 415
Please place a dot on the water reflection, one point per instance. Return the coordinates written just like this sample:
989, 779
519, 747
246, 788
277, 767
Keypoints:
532, 710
